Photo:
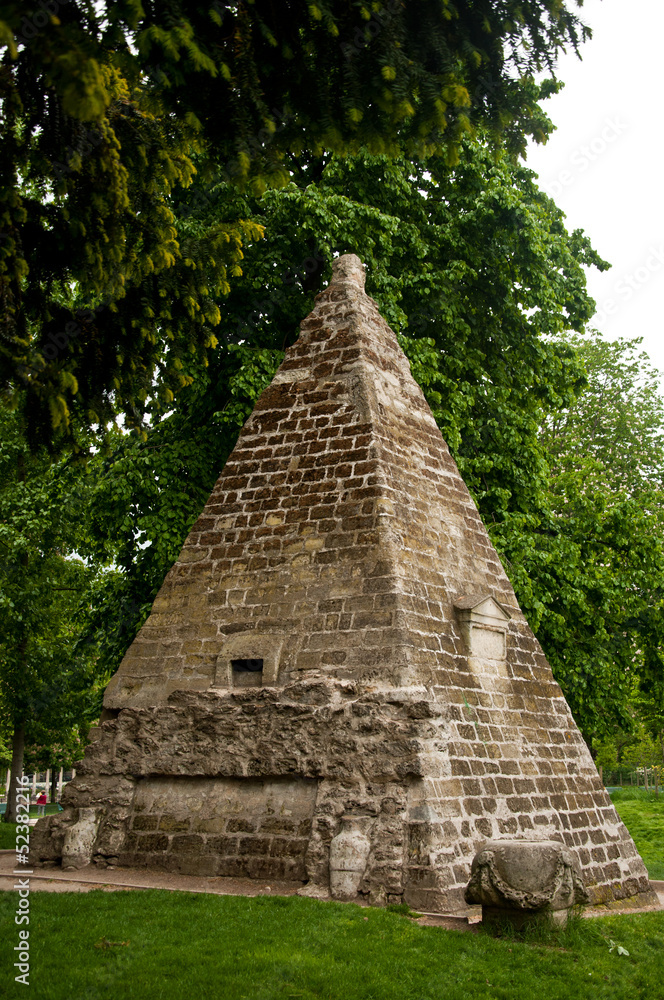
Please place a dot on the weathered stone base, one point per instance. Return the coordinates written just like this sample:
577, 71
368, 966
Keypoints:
647, 898
258, 784
240, 827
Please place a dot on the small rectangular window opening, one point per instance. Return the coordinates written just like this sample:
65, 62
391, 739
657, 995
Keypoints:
246, 666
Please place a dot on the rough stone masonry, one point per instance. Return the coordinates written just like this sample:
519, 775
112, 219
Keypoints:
336, 684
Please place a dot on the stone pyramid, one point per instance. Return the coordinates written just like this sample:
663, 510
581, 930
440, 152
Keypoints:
336, 684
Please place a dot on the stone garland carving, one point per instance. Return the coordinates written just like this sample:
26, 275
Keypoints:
525, 876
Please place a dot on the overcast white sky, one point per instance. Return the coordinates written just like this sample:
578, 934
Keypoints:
604, 164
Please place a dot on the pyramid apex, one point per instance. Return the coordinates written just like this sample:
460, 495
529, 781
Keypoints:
348, 269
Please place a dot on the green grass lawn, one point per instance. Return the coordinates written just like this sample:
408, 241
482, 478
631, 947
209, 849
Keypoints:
8, 830
168, 945
643, 815
7, 835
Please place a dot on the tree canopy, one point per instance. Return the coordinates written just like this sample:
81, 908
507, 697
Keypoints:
601, 558
104, 107
614, 432
48, 672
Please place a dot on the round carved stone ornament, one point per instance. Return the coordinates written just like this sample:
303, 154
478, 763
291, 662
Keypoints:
525, 875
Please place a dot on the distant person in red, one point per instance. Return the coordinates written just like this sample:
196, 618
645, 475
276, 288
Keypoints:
41, 804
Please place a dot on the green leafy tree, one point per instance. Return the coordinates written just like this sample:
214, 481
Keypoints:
104, 296
605, 753
51, 749
642, 753
599, 557
47, 670
614, 433
101, 296
649, 711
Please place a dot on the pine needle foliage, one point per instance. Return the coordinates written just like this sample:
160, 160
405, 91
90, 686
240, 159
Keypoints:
104, 108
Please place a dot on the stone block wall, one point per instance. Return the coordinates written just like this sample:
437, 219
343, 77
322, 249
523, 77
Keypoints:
221, 826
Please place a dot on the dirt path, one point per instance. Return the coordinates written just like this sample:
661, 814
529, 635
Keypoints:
91, 877
128, 879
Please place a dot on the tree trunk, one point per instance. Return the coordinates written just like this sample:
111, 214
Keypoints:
18, 747
54, 785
